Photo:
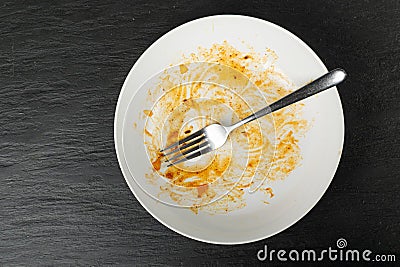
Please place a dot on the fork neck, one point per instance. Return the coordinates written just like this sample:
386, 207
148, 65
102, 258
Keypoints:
242, 122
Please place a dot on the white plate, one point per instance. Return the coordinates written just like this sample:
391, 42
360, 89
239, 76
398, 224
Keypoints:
321, 148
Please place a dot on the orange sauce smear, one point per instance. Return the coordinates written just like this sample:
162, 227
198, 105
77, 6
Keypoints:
284, 151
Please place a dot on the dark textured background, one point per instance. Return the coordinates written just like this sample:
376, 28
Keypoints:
62, 196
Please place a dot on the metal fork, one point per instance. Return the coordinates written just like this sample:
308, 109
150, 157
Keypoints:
215, 135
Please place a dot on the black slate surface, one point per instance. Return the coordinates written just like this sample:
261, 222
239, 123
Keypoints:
63, 199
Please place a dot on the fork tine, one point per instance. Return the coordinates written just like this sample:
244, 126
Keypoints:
180, 148
193, 149
192, 156
188, 138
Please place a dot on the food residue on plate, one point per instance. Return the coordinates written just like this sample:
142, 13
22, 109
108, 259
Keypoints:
223, 84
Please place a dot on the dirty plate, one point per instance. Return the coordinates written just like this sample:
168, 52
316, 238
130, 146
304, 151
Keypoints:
320, 145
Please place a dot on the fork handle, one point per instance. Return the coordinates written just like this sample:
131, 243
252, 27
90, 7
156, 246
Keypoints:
324, 82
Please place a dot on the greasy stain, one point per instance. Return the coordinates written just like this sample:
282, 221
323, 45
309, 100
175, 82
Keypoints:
283, 152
